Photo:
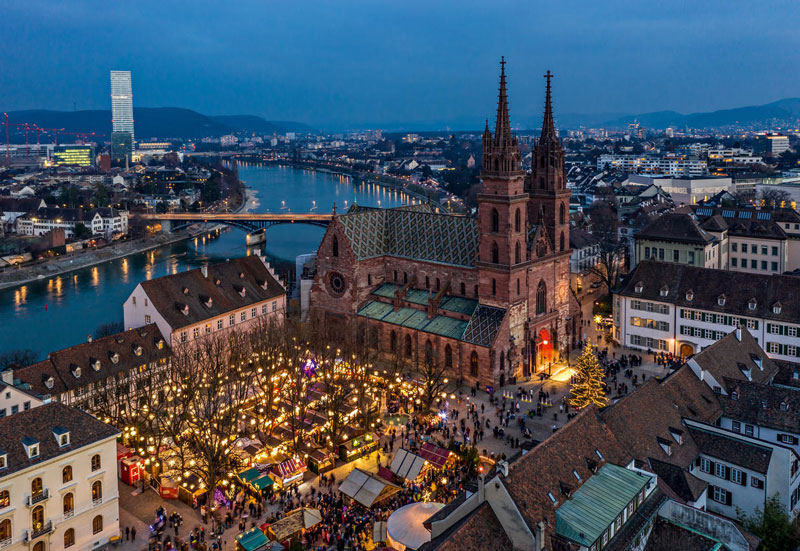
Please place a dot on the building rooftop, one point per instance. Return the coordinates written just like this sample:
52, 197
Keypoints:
675, 227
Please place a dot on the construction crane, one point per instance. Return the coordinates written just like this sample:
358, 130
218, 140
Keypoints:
83, 136
53, 131
27, 127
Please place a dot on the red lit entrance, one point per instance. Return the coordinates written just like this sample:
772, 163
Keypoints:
544, 350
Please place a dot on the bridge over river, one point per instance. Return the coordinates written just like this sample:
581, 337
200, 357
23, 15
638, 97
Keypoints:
246, 221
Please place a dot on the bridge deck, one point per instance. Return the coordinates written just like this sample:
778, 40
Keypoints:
246, 217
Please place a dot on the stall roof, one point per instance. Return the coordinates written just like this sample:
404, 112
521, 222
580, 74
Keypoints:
289, 467
435, 455
367, 488
379, 532
249, 474
406, 464
262, 482
252, 540
294, 522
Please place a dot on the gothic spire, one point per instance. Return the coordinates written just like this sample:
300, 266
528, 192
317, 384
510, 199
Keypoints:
548, 127
502, 127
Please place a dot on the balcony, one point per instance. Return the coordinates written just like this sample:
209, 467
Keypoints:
46, 528
5, 542
97, 501
38, 498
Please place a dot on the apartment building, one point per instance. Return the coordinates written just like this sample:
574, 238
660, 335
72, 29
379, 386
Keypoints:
189, 305
682, 309
99, 376
105, 222
58, 480
672, 166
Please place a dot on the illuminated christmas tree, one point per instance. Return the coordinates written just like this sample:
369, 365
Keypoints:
589, 387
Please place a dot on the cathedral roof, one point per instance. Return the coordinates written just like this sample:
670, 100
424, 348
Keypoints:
418, 234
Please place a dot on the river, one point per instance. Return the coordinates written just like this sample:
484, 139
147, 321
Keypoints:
62, 311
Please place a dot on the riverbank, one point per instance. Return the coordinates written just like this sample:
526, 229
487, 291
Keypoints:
87, 258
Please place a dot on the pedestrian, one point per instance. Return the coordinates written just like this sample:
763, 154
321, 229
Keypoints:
127, 533
133, 533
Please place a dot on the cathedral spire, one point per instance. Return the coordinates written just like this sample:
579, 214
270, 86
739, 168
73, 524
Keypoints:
548, 127
502, 127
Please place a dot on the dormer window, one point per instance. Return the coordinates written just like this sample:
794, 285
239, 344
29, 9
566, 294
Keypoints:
263, 284
3, 460
598, 454
115, 358
217, 282
665, 445
776, 308
552, 497
677, 435
76, 371
576, 475
241, 290
241, 275
664, 291
763, 404
48, 381
721, 300
784, 407
160, 344
208, 302
185, 309
796, 375
758, 361
751, 304
185, 290
95, 365
638, 288
689, 295
62, 436
137, 350
734, 395
31, 446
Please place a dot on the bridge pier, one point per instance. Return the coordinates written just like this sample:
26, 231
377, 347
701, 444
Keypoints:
166, 226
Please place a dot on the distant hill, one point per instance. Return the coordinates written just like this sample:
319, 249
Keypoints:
155, 122
783, 109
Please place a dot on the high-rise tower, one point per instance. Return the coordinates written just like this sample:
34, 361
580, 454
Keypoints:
546, 184
502, 254
121, 113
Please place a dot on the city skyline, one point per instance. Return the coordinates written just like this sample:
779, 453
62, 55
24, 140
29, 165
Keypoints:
356, 65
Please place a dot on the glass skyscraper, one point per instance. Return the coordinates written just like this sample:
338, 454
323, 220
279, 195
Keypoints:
122, 108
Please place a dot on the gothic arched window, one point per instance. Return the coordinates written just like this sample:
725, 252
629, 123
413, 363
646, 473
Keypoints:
502, 359
409, 349
473, 364
495, 221
495, 253
393, 341
463, 289
428, 353
448, 357
335, 246
517, 221
494, 287
516, 253
561, 241
541, 298
561, 214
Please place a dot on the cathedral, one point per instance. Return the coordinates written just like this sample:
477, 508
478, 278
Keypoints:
488, 296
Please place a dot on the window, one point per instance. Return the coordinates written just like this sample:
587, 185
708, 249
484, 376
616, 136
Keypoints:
551, 497
183, 336
753, 264
253, 312
473, 364
232, 319
774, 266
263, 309
517, 220
69, 537
495, 254
736, 476
96, 462
676, 255
69, 504
274, 306
243, 316
748, 430
756, 483
5, 531
409, 349
763, 250
219, 325
647, 252
736, 426
335, 246
97, 524
495, 221
448, 357
763, 264
195, 332
463, 289
541, 298
787, 439
97, 491
720, 495
37, 518
494, 287
5, 499
208, 329
733, 262
705, 465
661, 254
147, 318
774, 251
517, 256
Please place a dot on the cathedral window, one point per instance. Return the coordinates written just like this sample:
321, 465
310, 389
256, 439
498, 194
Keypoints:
476, 291
463, 289
494, 287
473, 364
495, 221
448, 357
428, 353
517, 221
561, 214
516, 253
393, 341
427, 282
335, 246
495, 253
541, 298
502, 359
517, 286
409, 349
438, 284
561, 241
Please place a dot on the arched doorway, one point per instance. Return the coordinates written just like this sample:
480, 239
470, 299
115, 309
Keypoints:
544, 350
686, 350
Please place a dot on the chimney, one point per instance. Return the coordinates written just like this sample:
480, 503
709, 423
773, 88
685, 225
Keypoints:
481, 488
88, 338
204, 270
539, 536
7, 376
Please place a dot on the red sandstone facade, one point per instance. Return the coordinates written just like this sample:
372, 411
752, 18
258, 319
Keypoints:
512, 263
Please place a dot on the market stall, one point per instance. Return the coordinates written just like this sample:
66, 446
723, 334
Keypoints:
357, 443
407, 465
191, 489
289, 471
252, 540
367, 488
436, 456
320, 460
293, 525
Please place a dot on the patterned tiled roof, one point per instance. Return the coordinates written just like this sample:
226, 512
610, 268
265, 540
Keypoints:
483, 325
415, 234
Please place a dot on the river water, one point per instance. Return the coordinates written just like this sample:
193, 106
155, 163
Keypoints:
61, 311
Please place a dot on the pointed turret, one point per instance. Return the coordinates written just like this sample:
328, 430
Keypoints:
548, 127
500, 151
502, 126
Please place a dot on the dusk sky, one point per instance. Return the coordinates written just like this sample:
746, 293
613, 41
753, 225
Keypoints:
348, 64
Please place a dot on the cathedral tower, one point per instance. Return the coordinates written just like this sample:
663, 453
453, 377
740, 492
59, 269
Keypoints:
546, 184
502, 212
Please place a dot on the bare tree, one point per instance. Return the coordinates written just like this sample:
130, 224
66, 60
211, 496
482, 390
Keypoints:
611, 252
773, 197
433, 374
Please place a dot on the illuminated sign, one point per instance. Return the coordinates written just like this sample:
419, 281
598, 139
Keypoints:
73, 155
